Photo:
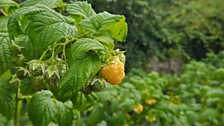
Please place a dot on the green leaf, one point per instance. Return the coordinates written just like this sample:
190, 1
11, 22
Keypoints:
6, 75
6, 50
14, 22
45, 26
80, 8
5, 53
42, 108
96, 22
49, 27
3, 23
31, 85
106, 41
27, 46
81, 71
84, 63
7, 99
4, 3
118, 30
84, 46
65, 113
48, 3
106, 23
82, 102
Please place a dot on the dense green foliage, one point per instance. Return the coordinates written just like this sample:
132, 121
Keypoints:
51, 53
168, 28
193, 98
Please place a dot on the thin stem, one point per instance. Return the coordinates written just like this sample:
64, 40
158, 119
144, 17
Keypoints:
3, 12
55, 46
53, 54
69, 41
64, 53
42, 56
16, 116
64, 48
81, 35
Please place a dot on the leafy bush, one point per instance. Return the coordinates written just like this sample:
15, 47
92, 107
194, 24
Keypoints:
50, 59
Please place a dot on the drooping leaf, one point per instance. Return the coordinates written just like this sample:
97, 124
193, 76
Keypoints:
49, 27
7, 99
45, 26
15, 19
117, 30
4, 3
84, 46
80, 8
106, 23
5, 47
42, 108
81, 71
96, 22
64, 113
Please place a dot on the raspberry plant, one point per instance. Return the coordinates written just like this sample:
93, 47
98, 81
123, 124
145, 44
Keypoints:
51, 56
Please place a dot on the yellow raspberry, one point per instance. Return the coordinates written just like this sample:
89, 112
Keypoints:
113, 72
150, 101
